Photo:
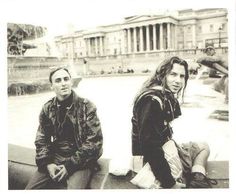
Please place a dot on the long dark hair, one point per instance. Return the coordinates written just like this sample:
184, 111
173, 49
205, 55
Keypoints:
159, 76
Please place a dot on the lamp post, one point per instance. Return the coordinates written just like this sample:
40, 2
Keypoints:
220, 29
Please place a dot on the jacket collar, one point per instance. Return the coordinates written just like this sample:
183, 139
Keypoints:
71, 110
171, 99
161, 88
55, 101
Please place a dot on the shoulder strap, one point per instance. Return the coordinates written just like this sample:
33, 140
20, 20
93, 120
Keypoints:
158, 100
152, 94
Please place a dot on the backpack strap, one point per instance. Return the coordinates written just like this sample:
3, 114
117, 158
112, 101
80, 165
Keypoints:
151, 94
156, 98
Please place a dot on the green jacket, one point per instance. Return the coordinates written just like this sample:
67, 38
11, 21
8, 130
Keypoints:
87, 133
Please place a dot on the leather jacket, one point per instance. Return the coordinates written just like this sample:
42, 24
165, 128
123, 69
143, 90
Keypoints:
153, 111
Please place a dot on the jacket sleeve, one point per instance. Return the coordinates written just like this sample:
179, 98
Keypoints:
151, 119
42, 142
91, 148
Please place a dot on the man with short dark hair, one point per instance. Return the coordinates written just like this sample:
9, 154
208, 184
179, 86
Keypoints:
69, 138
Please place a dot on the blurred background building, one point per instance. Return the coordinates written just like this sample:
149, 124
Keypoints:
185, 29
136, 45
141, 40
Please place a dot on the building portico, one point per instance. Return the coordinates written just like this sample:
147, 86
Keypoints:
146, 36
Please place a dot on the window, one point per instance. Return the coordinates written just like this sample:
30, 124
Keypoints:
211, 28
199, 29
189, 29
223, 27
181, 30
189, 44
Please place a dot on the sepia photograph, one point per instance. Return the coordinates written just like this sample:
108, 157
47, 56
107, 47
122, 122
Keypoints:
120, 95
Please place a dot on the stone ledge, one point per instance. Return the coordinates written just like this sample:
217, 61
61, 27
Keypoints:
33, 87
21, 167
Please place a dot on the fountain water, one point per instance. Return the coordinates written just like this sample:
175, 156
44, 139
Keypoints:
28, 72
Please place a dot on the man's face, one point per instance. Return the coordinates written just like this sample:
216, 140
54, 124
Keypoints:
61, 84
175, 79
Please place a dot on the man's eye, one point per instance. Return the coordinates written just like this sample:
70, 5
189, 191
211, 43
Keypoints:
66, 78
57, 80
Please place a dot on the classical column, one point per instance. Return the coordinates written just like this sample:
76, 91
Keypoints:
184, 45
124, 45
89, 47
154, 37
161, 37
168, 36
147, 38
129, 40
101, 46
135, 39
141, 38
86, 46
194, 36
172, 29
96, 45
176, 37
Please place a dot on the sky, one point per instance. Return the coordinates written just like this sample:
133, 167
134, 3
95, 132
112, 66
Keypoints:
63, 16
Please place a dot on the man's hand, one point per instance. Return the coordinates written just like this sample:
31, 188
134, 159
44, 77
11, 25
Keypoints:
62, 174
53, 170
178, 185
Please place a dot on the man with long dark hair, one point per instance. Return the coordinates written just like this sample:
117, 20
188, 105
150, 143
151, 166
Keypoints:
155, 106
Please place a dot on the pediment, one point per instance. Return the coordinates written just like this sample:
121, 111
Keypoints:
139, 18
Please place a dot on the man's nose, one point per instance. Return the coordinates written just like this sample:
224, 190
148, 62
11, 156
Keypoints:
63, 82
178, 79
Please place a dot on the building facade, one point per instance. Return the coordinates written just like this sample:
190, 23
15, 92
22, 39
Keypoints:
169, 31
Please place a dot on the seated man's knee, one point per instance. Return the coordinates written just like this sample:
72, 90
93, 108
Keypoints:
79, 180
204, 146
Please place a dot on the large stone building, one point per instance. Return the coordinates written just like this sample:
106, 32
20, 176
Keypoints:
138, 43
185, 29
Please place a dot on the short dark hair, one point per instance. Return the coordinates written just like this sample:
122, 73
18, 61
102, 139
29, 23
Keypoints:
57, 69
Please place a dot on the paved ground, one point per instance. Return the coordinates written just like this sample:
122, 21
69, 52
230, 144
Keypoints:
113, 97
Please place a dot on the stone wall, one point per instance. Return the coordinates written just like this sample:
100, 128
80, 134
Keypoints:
31, 73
